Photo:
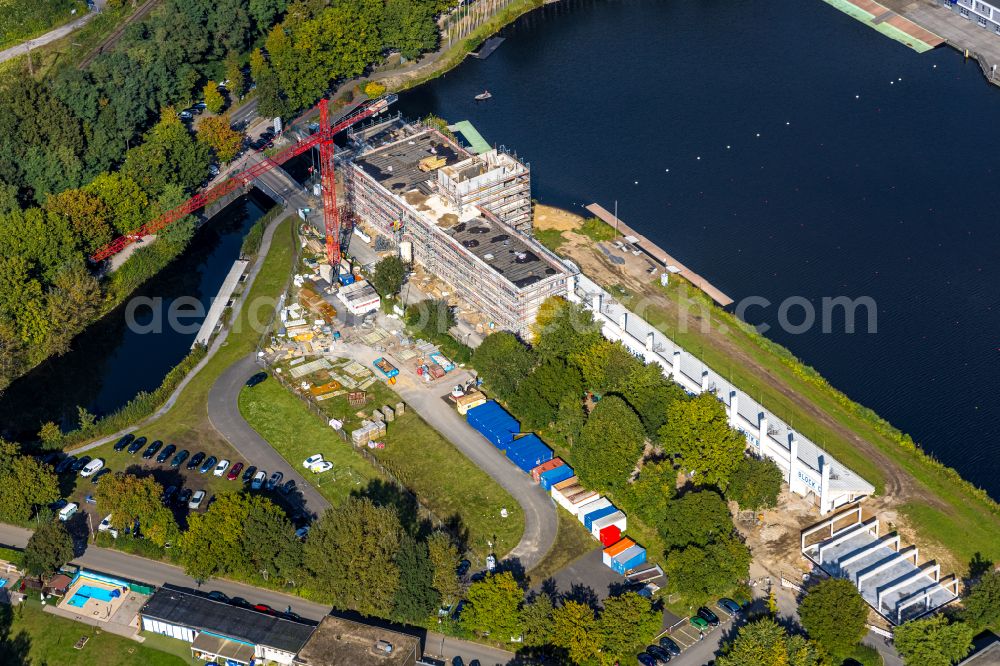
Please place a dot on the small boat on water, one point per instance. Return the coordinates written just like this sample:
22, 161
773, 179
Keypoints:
483, 96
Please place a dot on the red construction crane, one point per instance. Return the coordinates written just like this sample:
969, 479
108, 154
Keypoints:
323, 138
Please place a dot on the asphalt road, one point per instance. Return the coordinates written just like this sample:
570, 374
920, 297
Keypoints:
42, 40
224, 413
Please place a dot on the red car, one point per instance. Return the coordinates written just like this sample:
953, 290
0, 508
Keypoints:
264, 608
234, 471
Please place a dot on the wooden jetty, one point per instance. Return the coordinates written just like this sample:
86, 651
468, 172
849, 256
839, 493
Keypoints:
487, 49
659, 255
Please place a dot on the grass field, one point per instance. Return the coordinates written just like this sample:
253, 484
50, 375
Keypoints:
47, 639
444, 480
24, 20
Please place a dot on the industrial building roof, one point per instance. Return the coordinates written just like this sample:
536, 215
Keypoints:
396, 166
503, 251
342, 642
176, 606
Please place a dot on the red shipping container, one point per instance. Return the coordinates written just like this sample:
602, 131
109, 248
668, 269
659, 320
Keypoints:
610, 535
544, 467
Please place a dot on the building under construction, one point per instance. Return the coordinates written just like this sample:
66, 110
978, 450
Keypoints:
466, 218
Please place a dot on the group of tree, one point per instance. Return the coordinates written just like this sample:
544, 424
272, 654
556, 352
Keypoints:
26, 485
572, 631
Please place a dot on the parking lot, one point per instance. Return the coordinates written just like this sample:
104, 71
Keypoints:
686, 634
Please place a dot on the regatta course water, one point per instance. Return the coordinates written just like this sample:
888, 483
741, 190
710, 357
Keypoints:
109, 363
875, 173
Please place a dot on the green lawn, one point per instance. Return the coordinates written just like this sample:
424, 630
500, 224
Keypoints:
443, 479
572, 542
48, 639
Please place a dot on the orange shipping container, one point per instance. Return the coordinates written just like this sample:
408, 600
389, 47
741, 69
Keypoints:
619, 547
544, 467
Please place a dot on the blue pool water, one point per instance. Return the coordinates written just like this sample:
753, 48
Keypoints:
3, 583
78, 601
89, 592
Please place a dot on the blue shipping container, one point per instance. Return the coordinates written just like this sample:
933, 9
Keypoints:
588, 520
529, 456
554, 476
494, 423
629, 559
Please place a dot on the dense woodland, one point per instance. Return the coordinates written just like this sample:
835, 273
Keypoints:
86, 155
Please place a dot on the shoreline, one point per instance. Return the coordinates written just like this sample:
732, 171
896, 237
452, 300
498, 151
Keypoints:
929, 495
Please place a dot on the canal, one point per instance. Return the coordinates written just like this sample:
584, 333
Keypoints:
111, 362
779, 148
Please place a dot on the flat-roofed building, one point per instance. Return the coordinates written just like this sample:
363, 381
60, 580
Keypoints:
341, 642
421, 187
221, 631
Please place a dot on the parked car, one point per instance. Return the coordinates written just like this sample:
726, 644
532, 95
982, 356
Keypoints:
185, 115
136, 444
731, 606
90, 499
196, 460
249, 473
221, 468
168, 494
699, 623
234, 472
105, 526
274, 480
708, 616
264, 608
80, 463
123, 442
166, 453
179, 458
258, 480
312, 460
152, 449
241, 602
321, 467
65, 464
670, 646
463, 568
646, 659
288, 488
68, 511
659, 653
260, 376
215, 595
196, 500
183, 498
100, 475
213, 170
208, 464
302, 532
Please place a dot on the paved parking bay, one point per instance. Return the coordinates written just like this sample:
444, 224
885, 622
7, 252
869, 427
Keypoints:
695, 647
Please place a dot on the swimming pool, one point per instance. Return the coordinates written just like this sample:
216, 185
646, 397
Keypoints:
3, 583
85, 592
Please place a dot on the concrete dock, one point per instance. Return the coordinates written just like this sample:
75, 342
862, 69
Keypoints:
487, 49
659, 255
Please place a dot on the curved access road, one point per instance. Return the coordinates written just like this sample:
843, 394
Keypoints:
224, 413
540, 520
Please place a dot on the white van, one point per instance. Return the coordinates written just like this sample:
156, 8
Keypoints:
105, 526
92, 467
68, 511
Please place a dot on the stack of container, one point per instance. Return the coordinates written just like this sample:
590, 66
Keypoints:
544, 467
615, 519
528, 452
620, 547
555, 475
628, 559
594, 508
494, 423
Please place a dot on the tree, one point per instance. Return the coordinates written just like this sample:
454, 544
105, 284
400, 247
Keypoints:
982, 603
605, 365
537, 399
374, 89
933, 641
834, 614
503, 361
766, 643
493, 606
697, 431
707, 571
570, 419
649, 495
50, 435
574, 628
445, 559
234, 74
241, 535
408, 25
537, 619
168, 155
49, 548
650, 393
264, 12
609, 445
351, 555
626, 624
696, 518
416, 597
430, 317
25, 484
218, 135
127, 204
131, 499
270, 97
562, 328
387, 279
755, 484
86, 213
214, 101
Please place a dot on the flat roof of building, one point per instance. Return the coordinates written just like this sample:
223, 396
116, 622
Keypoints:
986, 651
397, 165
177, 606
341, 642
476, 141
